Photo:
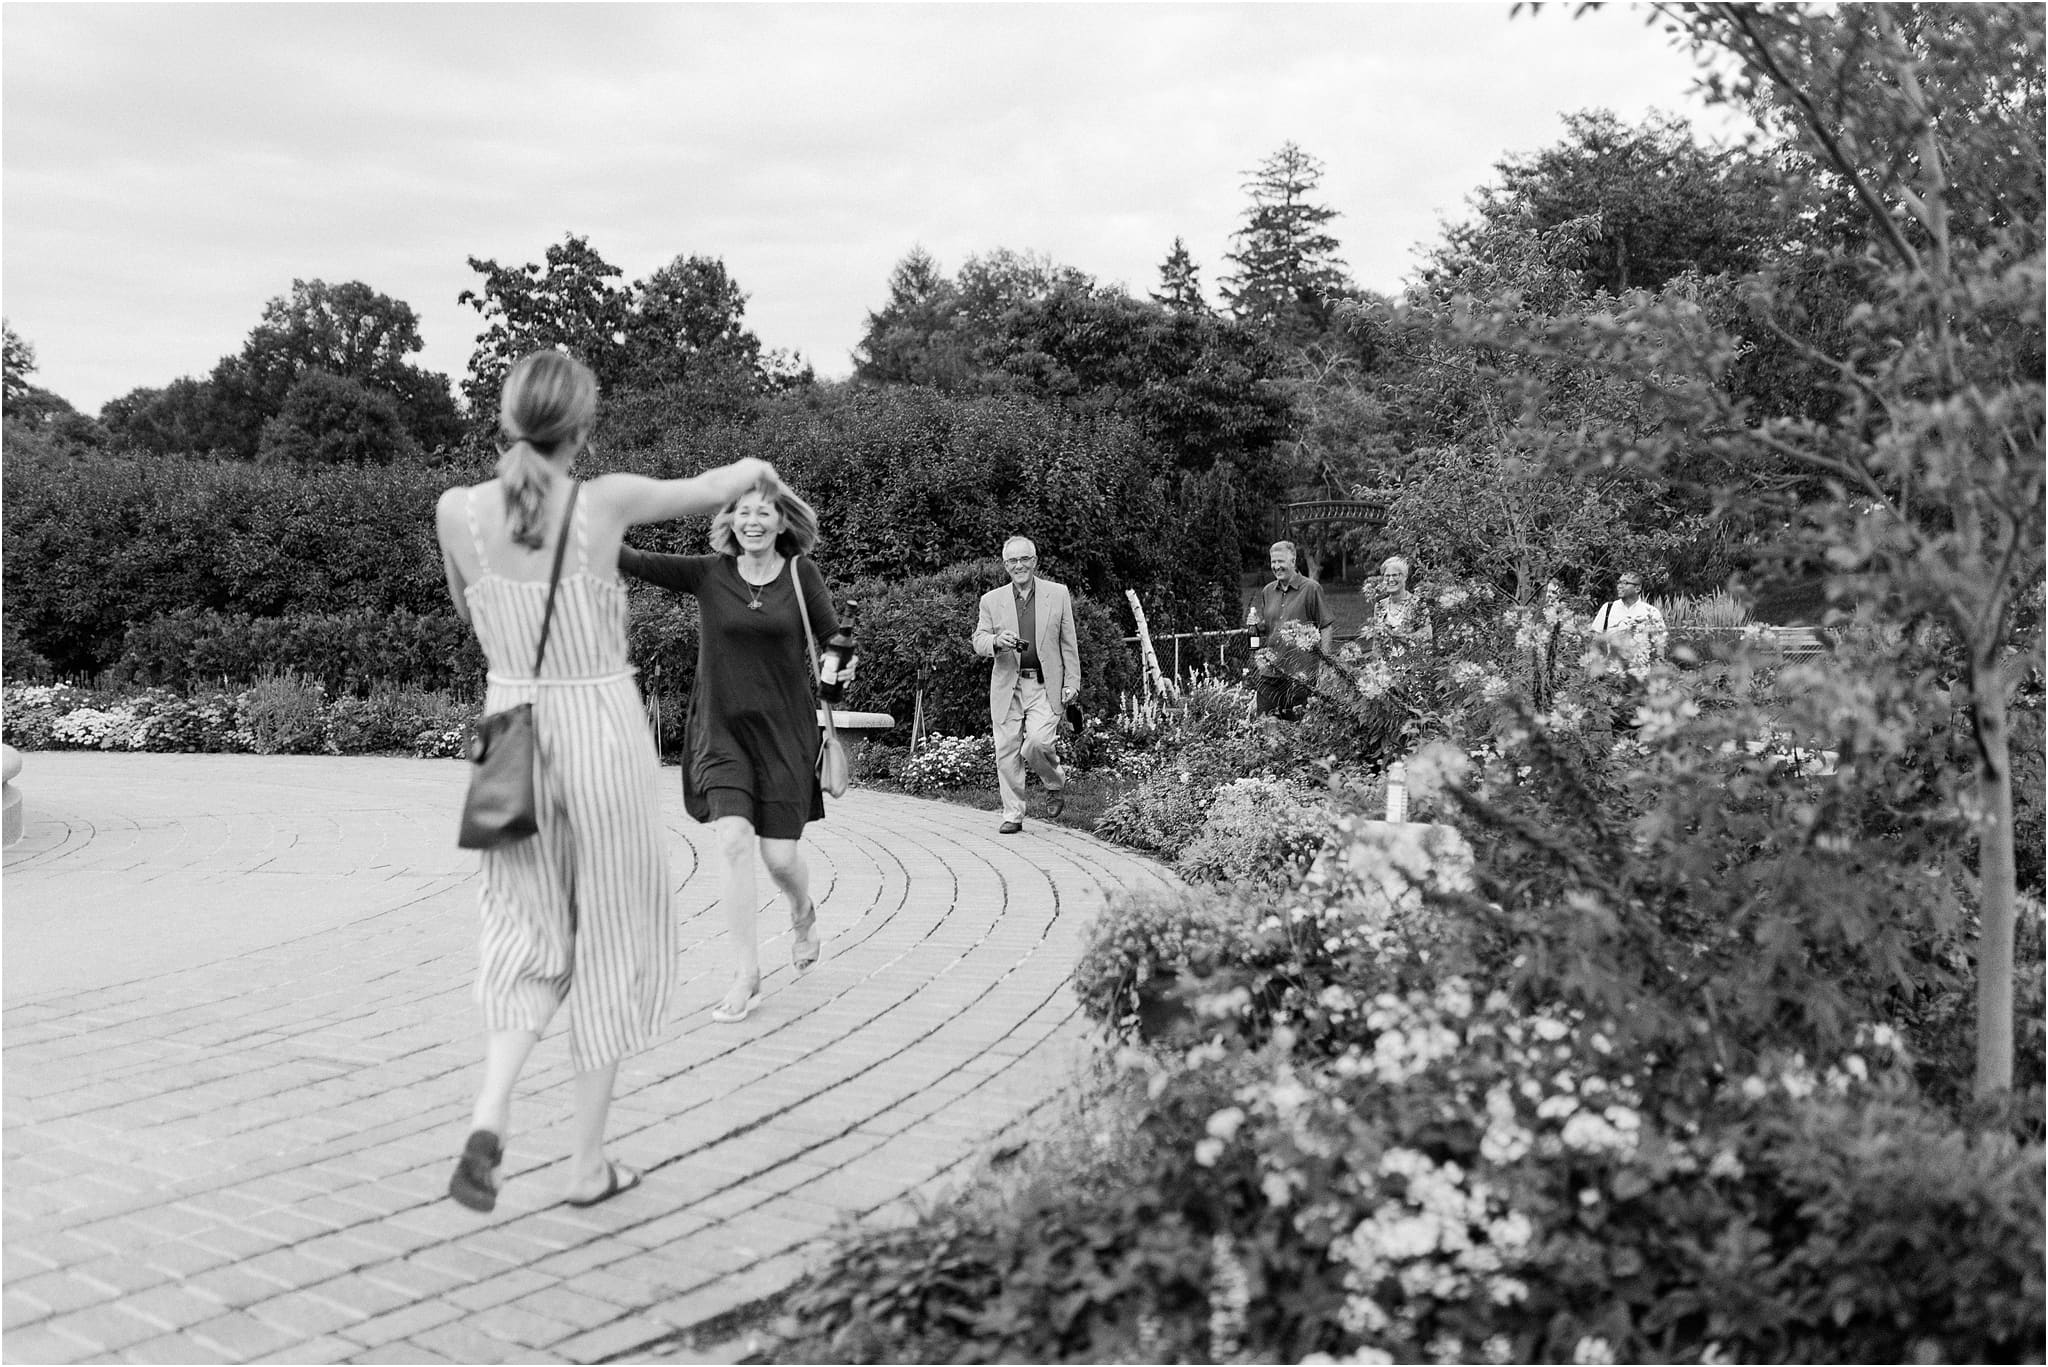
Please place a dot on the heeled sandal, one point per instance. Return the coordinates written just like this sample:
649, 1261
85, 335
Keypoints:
804, 944
739, 1001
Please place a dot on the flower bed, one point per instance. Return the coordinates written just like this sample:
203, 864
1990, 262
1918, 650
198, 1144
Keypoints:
278, 714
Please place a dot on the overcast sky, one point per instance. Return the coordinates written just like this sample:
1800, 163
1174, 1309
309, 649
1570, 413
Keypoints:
166, 169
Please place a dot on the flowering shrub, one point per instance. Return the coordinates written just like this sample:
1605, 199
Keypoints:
949, 762
1142, 943
29, 713
91, 728
206, 724
287, 715
1256, 829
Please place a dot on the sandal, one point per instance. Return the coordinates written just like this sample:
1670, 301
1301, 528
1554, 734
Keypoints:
613, 1185
804, 943
740, 1001
475, 1183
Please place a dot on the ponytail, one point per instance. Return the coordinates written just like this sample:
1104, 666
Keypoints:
550, 397
525, 477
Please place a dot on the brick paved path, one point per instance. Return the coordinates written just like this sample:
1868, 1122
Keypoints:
240, 1052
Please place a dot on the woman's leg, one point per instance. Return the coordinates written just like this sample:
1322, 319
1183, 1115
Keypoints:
734, 836
590, 1175
505, 1054
785, 861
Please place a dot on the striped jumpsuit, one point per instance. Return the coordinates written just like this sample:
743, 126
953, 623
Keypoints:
584, 904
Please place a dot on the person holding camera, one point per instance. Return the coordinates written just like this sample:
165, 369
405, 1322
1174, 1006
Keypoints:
1027, 628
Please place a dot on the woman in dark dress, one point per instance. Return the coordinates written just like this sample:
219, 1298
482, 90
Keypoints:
751, 745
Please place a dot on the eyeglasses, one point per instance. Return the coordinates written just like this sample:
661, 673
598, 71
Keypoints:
1020, 560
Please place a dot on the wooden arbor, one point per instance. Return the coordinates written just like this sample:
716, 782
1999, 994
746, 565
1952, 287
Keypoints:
1313, 524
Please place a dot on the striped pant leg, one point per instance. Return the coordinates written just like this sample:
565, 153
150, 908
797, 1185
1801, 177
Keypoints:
605, 778
525, 949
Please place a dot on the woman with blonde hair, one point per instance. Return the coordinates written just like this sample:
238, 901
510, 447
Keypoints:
751, 743
579, 912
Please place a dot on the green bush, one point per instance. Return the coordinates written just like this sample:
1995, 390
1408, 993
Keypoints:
284, 714
1142, 944
1257, 830
346, 652
206, 723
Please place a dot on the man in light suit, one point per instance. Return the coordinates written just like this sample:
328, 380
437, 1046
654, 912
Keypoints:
1027, 628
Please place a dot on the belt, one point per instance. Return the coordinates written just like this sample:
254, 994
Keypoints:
1034, 675
575, 681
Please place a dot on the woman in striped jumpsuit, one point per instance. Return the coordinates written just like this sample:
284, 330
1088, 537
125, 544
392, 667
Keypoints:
580, 911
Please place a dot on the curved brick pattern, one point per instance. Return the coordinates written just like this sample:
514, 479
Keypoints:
240, 1053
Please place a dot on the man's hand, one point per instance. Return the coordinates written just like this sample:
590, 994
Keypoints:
1009, 640
1068, 694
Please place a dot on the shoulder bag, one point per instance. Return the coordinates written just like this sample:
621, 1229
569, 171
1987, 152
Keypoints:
503, 751
834, 773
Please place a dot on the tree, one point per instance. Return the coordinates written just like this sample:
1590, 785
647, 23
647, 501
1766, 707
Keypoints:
330, 419
1664, 206
348, 330
910, 339
569, 300
20, 363
1289, 275
1180, 282
1931, 118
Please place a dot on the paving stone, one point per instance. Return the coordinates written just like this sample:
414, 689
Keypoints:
105, 1328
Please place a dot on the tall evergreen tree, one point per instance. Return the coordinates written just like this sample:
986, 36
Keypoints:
1180, 282
1289, 275
910, 339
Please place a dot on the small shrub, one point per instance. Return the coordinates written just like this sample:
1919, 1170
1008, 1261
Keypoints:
283, 714
1163, 812
201, 725
1256, 830
91, 728
1142, 942
943, 762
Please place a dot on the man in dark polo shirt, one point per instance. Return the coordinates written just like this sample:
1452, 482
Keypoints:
1287, 674
1027, 628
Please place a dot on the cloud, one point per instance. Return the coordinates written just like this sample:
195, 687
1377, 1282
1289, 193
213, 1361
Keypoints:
168, 168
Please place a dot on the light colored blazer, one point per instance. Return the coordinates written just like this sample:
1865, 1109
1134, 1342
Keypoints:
1059, 648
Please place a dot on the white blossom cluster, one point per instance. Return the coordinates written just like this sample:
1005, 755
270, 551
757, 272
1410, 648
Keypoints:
1440, 1234
947, 762
117, 728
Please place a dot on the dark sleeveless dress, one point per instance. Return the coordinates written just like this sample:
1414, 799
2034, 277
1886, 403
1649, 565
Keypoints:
753, 726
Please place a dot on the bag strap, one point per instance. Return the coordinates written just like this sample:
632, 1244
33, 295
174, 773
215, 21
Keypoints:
555, 579
796, 582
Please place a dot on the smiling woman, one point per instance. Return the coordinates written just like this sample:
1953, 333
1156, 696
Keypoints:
751, 747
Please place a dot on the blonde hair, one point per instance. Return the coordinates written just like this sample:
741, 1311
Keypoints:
550, 397
799, 520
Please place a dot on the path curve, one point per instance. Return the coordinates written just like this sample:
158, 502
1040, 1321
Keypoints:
240, 1052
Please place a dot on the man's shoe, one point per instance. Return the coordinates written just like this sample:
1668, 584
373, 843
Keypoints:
1055, 803
1010, 828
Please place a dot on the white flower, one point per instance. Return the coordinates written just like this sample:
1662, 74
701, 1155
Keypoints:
1550, 1028
1207, 1151
1593, 1349
1278, 1190
1755, 1088
1223, 1125
1725, 1164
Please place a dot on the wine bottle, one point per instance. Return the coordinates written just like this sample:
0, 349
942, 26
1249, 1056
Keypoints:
838, 653
1251, 622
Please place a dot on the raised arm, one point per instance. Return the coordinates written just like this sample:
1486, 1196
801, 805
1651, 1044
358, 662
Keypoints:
638, 499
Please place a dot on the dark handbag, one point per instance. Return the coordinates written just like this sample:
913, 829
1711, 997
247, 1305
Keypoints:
835, 773
501, 807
